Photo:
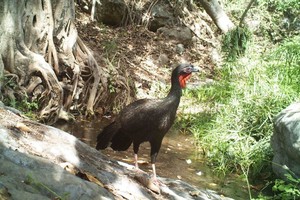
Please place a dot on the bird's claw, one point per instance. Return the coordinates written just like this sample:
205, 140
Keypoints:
138, 170
156, 181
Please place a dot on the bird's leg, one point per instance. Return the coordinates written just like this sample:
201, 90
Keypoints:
136, 165
155, 146
136, 150
154, 172
154, 178
136, 161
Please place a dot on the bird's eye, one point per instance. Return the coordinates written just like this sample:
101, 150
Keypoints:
187, 70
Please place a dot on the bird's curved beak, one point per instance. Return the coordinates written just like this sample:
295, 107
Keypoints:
195, 69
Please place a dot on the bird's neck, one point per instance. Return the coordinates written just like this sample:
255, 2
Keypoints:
175, 91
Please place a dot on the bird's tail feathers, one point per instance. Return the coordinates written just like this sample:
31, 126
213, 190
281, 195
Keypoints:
105, 137
120, 142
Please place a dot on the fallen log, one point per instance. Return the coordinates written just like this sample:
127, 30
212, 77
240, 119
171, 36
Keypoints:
42, 162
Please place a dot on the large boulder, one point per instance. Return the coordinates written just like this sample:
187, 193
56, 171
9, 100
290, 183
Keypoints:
115, 13
286, 142
181, 34
161, 16
111, 12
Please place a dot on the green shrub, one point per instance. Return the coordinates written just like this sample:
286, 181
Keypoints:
235, 42
280, 18
287, 189
235, 130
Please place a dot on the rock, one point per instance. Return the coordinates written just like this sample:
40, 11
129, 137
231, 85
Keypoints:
10, 108
111, 12
42, 162
161, 16
163, 59
178, 188
32, 177
182, 34
286, 142
147, 181
180, 49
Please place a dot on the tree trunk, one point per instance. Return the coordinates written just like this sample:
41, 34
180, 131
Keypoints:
44, 59
215, 11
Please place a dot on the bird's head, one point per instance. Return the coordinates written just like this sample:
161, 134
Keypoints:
183, 72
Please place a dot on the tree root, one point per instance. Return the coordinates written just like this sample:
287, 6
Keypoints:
52, 64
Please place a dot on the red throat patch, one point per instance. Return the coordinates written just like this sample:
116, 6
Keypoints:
183, 79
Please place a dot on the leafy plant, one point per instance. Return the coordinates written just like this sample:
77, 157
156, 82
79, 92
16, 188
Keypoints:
287, 189
282, 5
110, 48
18, 100
281, 18
235, 42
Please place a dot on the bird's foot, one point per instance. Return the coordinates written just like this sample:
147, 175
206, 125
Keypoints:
138, 170
156, 181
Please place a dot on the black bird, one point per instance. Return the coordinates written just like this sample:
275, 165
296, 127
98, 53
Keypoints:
146, 119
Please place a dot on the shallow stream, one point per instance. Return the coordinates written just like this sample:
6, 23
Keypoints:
177, 159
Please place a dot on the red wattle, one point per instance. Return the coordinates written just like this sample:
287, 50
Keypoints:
183, 79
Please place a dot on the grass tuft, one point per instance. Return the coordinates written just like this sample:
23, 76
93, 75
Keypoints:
235, 130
